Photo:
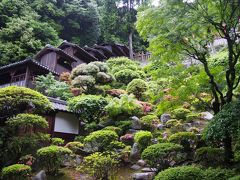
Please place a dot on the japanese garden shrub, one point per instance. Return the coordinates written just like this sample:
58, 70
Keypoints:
99, 140
235, 178
181, 173
149, 122
124, 125
123, 107
89, 108
27, 122
100, 165
127, 139
116, 145
15, 100
51, 157
160, 155
218, 174
79, 138
74, 146
16, 172
57, 141
186, 139
209, 156
191, 117
123, 62
118, 130
137, 87
125, 76
181, 113
143, 139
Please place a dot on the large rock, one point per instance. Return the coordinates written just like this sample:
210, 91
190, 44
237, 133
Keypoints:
147, 169
136, 123
144, 176
135, 152
206, 116
165, 118
135, 167
141, 162
40, 176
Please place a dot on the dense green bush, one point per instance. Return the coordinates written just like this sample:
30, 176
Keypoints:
57, 141
235, 178
125, 76
149, 122
100, 140
125, 106
209, 156
143, 138
137, 87
74, 146
51, 87
16, 172
118, 130
160, 155
116, 145
181, 173
181, 113
124, 125
79, 138
191, 117
89, 108
186, 139
51, 157
218, 173
15, 100
99, 165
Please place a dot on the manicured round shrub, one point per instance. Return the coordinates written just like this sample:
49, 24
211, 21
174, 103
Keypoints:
191, 117
74, 146
57, 141
143, 138
181, 113
16, 172
89, 108
186, 139
99, 165
149, 122
209, 156
181, 173
100, 140
160, 155
218, 174
137, 87
125, 76
51, 157
15, 100
118, 130
116, 145
124, 125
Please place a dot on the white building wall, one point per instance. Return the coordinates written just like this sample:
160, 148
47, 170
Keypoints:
66, 123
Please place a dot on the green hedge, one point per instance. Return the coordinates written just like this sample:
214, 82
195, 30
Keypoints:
16, 172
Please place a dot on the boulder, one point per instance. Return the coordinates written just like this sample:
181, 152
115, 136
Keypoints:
40, 176
135, 152
144, 176
147, 169
161, 126
135, 167
206, 115
136, 123
165, 118
141, 163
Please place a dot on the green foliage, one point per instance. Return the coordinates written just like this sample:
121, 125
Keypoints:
74, 146
181, 173
143, 138
49, 86
159, 155
118, 130
124, 125
218, 173
137, 87
27, 121
79, 138
57, 141
124, 106
51, 157
89, 108
181, 113
149, 122
16, 171
191, 117
209, 156
116, 145
15, 100
100, 140
100, 165
126, 76
186, 139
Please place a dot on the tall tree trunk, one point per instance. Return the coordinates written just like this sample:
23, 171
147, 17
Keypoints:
130, 45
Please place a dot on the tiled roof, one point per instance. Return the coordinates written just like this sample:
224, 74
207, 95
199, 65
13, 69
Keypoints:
58, 104
28, 60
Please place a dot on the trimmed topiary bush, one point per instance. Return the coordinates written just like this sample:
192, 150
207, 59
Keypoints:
16, 172
218, 174
143, 138
57, 141
186, 139
99, 140
181, 173
149, 122
74, 146
118, 130
51, 157
181, 113
191, 117
116, 145
124, 125
137, 87
125, 76
209, 156
160, 155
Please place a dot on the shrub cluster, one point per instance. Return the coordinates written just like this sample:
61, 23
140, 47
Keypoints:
149, 122
181, 113
137, 87
143, 138
16, 172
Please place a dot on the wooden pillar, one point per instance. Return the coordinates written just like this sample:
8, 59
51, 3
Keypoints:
27, 75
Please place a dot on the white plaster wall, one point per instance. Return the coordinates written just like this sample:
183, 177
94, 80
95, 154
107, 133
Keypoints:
66, 123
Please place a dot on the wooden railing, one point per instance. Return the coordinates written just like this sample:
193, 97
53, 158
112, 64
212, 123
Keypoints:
142, 57
17, 83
